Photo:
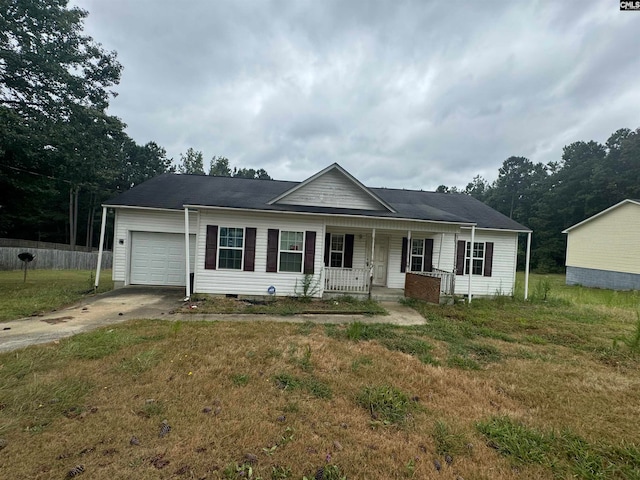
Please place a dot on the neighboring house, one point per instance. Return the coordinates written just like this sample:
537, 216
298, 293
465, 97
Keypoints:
603, 250
247, 236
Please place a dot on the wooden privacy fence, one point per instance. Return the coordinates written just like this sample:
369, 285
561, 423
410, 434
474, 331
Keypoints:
52, 259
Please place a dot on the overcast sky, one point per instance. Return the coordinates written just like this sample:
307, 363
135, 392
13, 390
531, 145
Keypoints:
405, 94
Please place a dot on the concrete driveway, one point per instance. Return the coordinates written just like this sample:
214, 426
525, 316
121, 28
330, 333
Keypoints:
156, 302
92, 312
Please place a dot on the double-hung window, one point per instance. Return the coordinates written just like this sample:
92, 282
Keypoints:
337, 251
477, 257
291, 251
230, 249
417, 254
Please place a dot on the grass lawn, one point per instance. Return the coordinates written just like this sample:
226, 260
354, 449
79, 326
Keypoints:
45, 290
499, 389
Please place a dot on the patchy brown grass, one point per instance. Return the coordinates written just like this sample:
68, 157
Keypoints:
496, 390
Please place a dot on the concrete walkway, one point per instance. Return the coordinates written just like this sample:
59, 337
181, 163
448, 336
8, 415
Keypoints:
158, 303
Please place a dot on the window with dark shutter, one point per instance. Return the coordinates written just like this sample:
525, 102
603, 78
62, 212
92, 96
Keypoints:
403, 261
309, 252
211, 248
460, 252
348, 251
488, 259
428, 255
272, 250
327, 248
250, 249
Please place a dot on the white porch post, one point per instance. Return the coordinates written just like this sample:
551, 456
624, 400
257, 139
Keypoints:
101, 247
473, 239
186, 250
407, 267
526, 269
373, 246
440, 250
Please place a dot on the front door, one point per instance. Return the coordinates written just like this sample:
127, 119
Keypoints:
380, 258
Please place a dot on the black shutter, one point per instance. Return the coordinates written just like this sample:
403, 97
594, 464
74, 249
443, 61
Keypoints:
309, 252
403, 264
428, 255
348, 251
211, 248
327, 248
250, 249
488, 259
272, 250
460, 257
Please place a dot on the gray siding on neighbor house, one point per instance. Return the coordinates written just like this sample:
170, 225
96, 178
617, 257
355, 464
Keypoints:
590, 277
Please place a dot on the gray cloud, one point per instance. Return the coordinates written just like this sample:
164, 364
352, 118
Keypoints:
402, 94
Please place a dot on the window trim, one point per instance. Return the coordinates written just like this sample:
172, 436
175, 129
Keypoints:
301, 251
341, 252
242, 249
421, 257
469, 256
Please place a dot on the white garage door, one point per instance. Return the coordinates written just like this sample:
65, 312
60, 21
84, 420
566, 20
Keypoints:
158, 258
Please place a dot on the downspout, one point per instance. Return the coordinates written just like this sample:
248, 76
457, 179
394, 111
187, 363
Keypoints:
373, 245
526, 272
473, 240
186, 250
100, 248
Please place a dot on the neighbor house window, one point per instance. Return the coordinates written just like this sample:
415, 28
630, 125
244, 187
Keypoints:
417, 254
231, 246
291, 250
477, 257
337, 250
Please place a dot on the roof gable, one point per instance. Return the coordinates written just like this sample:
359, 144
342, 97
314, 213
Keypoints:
604, 212
333, 187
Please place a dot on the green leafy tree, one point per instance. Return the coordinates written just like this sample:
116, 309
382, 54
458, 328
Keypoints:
478, 188
445, 189
140, 163
191, 163
260, 174
59, 151
219, 166
47, 64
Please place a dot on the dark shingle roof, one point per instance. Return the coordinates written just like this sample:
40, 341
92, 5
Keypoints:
171, 191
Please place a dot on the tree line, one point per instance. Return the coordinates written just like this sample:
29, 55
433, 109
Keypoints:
548, 198
61, 153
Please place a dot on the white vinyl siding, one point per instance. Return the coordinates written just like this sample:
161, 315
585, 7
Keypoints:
332, 189
130, 220
257, 282
608, 242
502, 279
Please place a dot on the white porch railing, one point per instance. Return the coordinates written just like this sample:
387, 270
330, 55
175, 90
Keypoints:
447, 280
354, 280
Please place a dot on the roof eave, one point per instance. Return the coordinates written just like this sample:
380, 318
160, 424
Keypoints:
345, 215
593, 217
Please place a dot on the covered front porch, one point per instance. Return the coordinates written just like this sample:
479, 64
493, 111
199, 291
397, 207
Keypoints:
373, 261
